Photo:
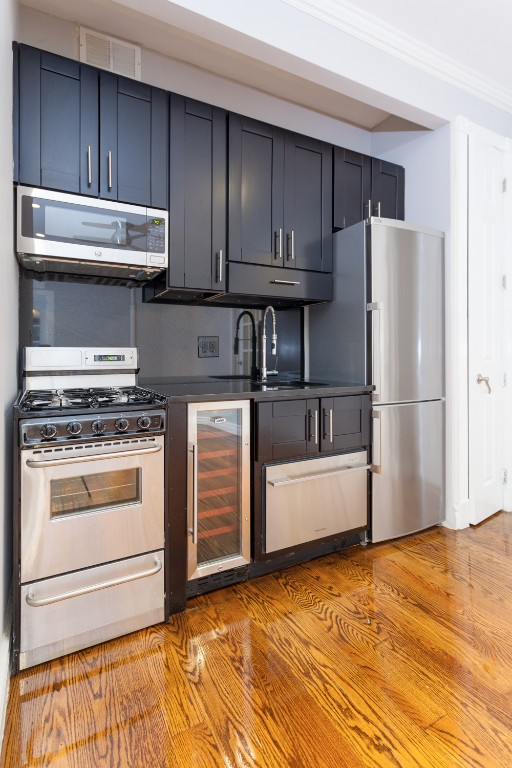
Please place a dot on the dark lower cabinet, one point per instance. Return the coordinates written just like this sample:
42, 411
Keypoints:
365, 186
83, 131
289, 429
324, 440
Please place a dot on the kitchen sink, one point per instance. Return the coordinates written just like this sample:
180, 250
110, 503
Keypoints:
272, 383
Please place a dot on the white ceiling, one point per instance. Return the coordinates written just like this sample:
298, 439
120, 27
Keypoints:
466, 37
474, 33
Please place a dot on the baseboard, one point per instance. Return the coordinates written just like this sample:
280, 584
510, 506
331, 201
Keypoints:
5, 667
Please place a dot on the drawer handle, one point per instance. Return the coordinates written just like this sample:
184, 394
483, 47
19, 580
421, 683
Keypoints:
286, 282
40, 602
320, 476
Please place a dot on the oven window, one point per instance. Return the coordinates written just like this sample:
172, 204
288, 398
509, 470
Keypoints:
90, 493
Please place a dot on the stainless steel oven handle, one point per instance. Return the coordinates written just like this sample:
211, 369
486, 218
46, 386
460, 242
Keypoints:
320, 476
40, 602
93, 457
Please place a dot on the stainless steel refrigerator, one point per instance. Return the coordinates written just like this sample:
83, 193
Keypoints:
385, 327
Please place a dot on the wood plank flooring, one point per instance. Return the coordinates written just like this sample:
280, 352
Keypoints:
398, 654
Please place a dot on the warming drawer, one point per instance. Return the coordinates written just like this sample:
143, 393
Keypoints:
79, 609
314, 498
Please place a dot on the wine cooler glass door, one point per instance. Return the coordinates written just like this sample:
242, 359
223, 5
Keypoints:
219, 487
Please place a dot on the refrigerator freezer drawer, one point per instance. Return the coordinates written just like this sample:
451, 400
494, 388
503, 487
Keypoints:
314, 498
70, 612
408, 476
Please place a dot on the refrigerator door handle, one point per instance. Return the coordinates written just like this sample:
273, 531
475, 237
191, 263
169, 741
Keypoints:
376, 308
376, 466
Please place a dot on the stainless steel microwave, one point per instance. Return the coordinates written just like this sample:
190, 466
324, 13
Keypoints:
58, 232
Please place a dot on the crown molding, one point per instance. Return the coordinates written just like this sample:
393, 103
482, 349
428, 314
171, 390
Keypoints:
374, 31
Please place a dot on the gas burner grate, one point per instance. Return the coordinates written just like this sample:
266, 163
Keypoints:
88, 398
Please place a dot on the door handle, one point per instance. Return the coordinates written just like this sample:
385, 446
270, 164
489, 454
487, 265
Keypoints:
376, 308
44, 464
376, 466
89, 165
220, 257
483, 379
193, 530
278, 246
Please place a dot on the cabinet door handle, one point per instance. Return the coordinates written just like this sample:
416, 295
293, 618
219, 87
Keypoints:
291, 243
320, 476
109, 169
369, 209
314, 415
89, 166
328, 432
278, 245
286, 282
377, 443
220, 257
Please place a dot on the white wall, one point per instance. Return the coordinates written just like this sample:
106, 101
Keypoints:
9, 345
58, 36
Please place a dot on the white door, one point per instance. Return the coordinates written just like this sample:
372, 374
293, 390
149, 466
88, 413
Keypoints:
486, 392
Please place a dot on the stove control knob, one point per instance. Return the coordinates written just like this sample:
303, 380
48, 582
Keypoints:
48, 430
98, 427
74, 427
144, 422
121, 425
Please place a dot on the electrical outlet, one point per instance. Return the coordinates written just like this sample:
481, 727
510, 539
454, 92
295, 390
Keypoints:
207, 346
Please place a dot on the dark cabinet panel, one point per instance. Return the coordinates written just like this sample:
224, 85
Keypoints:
90, 132
307, 204
351, 187
365, 186
197, 195
388, 183
256, 176
288, 429
49, 103
280, 197
276, 283
132, 167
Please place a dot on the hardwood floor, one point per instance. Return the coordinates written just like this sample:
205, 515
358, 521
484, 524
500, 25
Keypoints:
398, 654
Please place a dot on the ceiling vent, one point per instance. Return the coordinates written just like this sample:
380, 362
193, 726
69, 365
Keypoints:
111, 54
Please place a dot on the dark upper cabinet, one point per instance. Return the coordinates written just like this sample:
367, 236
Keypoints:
351, 187
133, 145
307, 203
256, 182
387, 191
197, 195
84, 131
49, 119
364, 186
280, 197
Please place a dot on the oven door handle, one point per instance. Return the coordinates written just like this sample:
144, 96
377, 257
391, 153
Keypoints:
95, 457
40, 602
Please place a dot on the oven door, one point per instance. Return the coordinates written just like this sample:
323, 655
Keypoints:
82, 505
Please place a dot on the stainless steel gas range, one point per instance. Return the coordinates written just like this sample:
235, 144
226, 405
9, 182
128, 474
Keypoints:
89, 533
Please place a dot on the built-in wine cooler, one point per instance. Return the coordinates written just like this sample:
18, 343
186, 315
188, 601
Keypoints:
219, 476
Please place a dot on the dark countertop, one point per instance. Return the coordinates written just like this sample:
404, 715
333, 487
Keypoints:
198, 388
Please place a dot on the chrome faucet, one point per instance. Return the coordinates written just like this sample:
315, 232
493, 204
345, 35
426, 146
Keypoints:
273, 346
236, 346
